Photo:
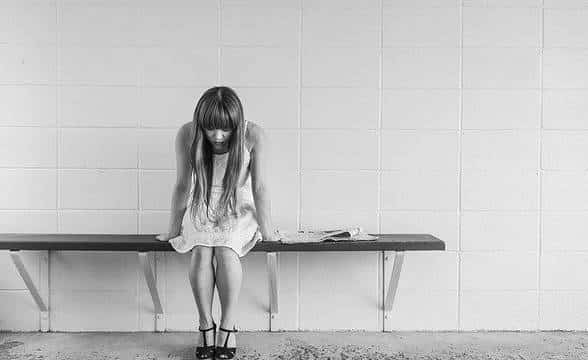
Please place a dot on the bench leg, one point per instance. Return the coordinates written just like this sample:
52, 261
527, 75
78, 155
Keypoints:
393, 285
151, 284
272, 269
24, 274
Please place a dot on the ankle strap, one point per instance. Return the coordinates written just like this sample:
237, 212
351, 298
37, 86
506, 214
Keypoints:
227, 330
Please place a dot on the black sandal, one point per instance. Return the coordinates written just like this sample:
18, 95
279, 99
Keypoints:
224, 352
206, 352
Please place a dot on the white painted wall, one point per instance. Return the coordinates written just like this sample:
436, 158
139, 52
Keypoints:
464, 119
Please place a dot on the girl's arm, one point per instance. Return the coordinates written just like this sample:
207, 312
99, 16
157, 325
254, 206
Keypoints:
259, 183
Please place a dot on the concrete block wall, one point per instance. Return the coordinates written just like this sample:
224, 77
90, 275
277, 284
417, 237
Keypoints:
464, 119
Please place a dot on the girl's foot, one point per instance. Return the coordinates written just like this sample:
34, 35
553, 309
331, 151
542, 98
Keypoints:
226, 343
205, 345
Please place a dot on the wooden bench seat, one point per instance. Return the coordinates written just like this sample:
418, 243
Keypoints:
145, 244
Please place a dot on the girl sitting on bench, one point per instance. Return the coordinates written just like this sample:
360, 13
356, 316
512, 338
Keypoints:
228, 207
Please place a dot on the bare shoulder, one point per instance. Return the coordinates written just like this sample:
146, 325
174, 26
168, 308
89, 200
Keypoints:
255, 134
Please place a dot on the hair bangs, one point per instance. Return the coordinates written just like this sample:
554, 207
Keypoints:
216, 116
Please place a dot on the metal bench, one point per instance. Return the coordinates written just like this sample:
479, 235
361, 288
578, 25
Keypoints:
144, 244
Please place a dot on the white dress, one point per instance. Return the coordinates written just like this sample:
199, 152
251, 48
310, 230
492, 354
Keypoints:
239, 232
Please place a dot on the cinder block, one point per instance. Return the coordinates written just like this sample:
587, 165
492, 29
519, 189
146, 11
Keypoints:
156, 189
29, 189
564, 231
565, 28
28, 147
499, 310
564, 190
564, 310
499, 190
103, 222
422, 3
98, 24
442, 224
502, 231
412, 310
425, 270
85, 148
352, 108
156, 149
29, 221
507, 67
272, 25
98, 189
420, 150
283, 154
311, 219
168, 107
325, 291
284, 193
518, 150
420, 68
565, 109
339, 150
187, 66
101, 65
94, 270
28, 64
502, 3
94, 310
501, 109
564, 271
329, 25
565, 68
564, 150
154, 222
28, 106
19, 312
401, 109
419, 190
499, 271
11, 279
420, 27
248, 66
111, 106
178, 23
564, 4
495, 27
261, 105
340, 67
29, 22
322, 190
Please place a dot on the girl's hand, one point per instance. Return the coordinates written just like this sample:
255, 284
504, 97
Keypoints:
165, 236
274, 236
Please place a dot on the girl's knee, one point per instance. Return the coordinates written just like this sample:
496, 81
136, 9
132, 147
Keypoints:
202, 254
222, 253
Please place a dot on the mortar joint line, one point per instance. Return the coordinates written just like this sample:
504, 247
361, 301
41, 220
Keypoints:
299, 151
460, 166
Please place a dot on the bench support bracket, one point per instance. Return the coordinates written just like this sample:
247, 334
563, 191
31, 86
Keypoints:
393, 284
144, 258
272, 270
26, 277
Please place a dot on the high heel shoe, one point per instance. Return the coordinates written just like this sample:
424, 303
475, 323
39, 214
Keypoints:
224, 352
206, 351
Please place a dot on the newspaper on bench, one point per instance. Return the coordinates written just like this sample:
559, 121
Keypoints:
347, 234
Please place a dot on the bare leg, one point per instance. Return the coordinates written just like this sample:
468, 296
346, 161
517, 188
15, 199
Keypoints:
229, 276
202, 280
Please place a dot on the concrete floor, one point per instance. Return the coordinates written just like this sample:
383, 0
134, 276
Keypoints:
301, 345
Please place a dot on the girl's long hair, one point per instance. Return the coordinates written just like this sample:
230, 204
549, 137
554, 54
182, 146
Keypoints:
218, 108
